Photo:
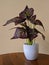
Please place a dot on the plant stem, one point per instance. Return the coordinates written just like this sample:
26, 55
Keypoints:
34, 38
27, 40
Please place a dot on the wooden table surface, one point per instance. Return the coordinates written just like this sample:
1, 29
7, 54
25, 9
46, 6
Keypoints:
19, 59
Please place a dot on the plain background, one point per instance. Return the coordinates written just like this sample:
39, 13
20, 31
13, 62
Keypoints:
10, 9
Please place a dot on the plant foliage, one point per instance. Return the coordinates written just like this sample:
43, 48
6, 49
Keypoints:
25, 32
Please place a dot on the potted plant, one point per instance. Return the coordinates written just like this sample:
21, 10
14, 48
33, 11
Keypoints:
27, 31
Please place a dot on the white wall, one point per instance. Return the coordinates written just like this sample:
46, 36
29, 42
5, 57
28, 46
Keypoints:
11, 8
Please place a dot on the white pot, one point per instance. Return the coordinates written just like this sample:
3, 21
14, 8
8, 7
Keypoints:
30, 51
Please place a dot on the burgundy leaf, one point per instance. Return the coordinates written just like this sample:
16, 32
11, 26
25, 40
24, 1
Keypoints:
32, 36
38, 22
26, 8
33, 33
20, 33
27, 12
22, 15
36, 32
14, 37
16, 20
43, 36
32, 18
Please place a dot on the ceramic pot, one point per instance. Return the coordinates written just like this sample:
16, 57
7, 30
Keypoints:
31, 51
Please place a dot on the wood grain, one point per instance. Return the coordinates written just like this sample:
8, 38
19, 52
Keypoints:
19, 59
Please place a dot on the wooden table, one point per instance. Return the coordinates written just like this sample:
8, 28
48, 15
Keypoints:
19, 59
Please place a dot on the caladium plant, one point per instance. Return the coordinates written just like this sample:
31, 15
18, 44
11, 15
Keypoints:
26, 32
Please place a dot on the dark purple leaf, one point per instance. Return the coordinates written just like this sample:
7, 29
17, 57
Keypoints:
22, 15
43, 36
27, 12
16, 20
32, 36
32, 18
33, 33
38, 22
36, 32
35, 22
20, 33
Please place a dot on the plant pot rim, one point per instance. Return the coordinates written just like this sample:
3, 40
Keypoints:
30, 44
